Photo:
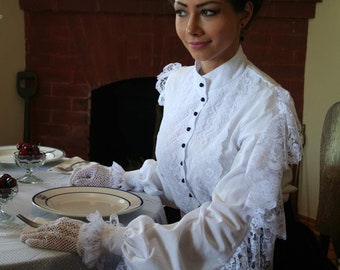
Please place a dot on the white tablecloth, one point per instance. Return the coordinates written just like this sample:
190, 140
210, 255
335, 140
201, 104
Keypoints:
15, 255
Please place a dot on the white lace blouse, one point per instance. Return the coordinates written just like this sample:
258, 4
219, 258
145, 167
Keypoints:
223, 152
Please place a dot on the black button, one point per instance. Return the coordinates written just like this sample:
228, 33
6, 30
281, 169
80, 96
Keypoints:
183, 145
202, 99
195, 113
190, 195
201, 84
188, 128
183, 180
181, 163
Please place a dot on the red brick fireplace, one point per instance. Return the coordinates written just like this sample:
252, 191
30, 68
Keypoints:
76, 46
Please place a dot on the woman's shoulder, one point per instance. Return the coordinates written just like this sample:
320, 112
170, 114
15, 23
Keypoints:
173, 68
172, 72
267, 83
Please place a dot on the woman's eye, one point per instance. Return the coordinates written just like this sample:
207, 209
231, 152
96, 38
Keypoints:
180, 13
209, 12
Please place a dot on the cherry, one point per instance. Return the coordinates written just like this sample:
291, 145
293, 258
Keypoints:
11, 182
7, 181
29, 150
5, 176
19, 145
23, 152
3, 182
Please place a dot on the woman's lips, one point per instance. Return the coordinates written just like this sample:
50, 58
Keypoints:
197, 45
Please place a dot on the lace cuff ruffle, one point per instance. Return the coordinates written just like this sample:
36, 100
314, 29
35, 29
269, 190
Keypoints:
256, 251
98, 235
161, 80
117, 178
121, 179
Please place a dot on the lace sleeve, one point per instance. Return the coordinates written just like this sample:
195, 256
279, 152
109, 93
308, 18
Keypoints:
161, 80
279, 145
293, 128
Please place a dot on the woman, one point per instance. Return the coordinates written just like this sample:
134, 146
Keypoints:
227, 137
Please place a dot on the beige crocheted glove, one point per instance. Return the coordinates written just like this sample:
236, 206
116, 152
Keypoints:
61, 234
97, 175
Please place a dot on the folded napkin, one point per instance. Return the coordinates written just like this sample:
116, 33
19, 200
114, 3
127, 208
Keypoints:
40, 220
69, 165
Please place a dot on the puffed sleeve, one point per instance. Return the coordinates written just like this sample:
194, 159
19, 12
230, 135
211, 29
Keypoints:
161, 80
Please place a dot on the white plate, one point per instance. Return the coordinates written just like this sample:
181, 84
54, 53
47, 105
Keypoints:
6, 153
82, 201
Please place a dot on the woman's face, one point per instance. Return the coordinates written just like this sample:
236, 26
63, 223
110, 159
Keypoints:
210, 29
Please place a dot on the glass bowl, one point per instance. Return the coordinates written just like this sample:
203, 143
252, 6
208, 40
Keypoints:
29, 162
8, 189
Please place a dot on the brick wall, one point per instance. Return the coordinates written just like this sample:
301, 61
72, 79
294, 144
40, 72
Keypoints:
76, 46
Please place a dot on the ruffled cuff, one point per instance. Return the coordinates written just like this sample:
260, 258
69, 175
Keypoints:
117, 179
99, 237
133, 180
144, 179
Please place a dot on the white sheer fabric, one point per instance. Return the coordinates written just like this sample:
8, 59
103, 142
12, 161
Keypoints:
223, 153
96, 236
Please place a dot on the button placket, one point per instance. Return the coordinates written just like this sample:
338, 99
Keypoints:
202, 93
186, 138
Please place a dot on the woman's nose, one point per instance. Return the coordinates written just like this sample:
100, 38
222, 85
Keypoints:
193, 27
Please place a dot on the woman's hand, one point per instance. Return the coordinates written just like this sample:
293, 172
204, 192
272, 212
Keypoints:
61, 234
94, 175
97, 175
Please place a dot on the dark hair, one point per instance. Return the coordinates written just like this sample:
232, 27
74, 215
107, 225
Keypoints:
239, 6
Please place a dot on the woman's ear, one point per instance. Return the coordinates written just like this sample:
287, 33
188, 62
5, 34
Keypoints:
246, 14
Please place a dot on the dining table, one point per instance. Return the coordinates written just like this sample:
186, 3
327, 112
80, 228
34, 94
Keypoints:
15, 255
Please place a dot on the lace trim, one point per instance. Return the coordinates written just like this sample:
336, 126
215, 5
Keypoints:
295, 139
117, 178
256, 251
267, 162
162, 77
90, 239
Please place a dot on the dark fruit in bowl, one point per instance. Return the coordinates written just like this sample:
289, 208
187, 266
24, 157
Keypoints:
28, 151
8, 184
19, 145
7, 181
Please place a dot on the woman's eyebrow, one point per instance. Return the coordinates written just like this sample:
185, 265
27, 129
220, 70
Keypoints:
180, 3
199, 5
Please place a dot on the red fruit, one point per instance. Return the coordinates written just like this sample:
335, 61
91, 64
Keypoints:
7, 181
28, 150
23, 152
5, 176
26, 146
11, 182
19, 145
3, 183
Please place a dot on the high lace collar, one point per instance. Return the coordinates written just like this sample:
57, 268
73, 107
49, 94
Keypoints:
226, 72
